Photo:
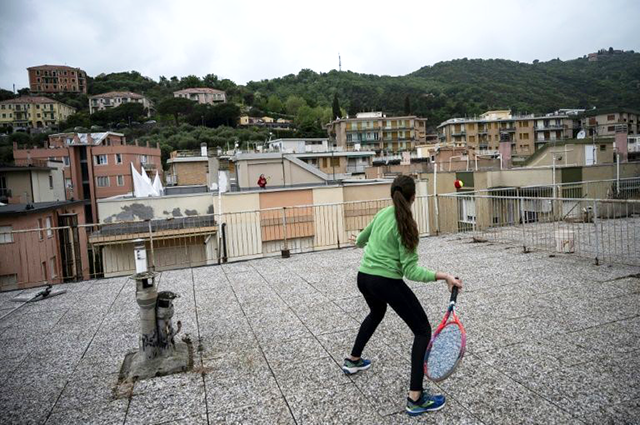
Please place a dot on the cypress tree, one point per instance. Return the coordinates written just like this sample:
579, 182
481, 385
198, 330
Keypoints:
336, 107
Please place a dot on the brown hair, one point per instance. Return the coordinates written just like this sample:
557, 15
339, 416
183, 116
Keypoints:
403, 189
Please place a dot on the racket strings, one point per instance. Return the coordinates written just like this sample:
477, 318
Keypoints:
444, 352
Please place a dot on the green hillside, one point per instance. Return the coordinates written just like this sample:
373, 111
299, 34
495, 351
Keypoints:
471, 86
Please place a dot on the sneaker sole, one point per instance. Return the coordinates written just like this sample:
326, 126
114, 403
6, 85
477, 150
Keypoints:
412, 413
352, 370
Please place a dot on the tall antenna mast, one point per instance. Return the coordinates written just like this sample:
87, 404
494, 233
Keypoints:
339, 62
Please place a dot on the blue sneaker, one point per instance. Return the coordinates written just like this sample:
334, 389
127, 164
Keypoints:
350, 367
427, 403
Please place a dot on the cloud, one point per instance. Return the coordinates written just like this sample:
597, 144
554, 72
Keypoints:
252, 40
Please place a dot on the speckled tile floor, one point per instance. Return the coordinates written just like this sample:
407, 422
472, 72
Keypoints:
550, 340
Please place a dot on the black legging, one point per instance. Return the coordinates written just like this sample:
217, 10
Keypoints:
379, 291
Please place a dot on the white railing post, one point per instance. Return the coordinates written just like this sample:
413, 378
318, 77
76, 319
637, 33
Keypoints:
595, 227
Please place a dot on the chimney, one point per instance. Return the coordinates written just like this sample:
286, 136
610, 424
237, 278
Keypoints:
621, 144
203, 149
505, 152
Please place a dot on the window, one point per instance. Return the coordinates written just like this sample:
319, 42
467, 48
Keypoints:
44, 271
52, 267
50, 182
48, 224
120, 180
611, 117
118, 158
603, 148
66, 161
68, 183
100, 159
335, 162
143, 159
611, 128
102, 181
472, 139
5, 234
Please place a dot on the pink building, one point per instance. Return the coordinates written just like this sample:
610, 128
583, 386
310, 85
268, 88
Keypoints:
40, 243
96, 165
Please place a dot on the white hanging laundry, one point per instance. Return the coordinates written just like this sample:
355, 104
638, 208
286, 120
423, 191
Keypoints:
222, 182
142, 188
157, 185
151, 189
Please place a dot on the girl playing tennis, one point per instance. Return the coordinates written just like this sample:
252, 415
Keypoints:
390, 244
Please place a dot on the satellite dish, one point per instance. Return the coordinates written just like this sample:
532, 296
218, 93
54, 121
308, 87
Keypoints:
581, 134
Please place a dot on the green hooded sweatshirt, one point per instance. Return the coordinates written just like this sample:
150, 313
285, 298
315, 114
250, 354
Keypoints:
384, 253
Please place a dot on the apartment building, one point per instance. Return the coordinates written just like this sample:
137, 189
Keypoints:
268, 122
300, 145
112, 99
28, 112
202, 95
527, 133
33, 231
57, 79
96, 165
377, 132
40, 181
606, 122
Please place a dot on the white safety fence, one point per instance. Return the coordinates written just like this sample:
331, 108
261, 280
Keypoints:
556, 218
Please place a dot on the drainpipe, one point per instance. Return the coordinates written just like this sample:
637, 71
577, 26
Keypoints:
146, 297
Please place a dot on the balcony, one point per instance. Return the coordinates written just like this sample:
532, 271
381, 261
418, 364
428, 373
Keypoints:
366, 140
459, 133
508, 130
149, 166
361, 130
550, 127
30, 162
356, 169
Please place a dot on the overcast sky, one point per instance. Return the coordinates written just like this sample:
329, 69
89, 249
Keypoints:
250, 40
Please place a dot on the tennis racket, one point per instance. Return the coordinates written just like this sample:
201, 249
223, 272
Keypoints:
447, 345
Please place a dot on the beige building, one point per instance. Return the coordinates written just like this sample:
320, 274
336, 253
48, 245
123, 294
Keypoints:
606, 122
377, 132
38, 181
574, 152
33, 112
112, 99
202, 95
526, 133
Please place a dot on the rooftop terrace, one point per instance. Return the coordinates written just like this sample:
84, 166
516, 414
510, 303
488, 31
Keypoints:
551, 339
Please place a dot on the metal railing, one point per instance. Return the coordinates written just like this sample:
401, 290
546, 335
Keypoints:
606, 230
563, 218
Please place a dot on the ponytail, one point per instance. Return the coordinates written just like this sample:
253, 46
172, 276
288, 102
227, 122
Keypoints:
403, 189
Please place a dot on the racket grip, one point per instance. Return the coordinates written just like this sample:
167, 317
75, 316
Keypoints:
454, 294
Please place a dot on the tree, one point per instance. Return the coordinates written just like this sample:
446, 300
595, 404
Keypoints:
176, 106
274, 104
407, 105
79, 119
6, 94
211, 81
336, 108
294, 103
190, 81
127, 112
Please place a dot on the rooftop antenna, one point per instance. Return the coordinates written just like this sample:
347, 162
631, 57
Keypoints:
339, 62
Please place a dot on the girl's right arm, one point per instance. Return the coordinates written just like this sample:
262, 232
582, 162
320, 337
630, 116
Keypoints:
363, 237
